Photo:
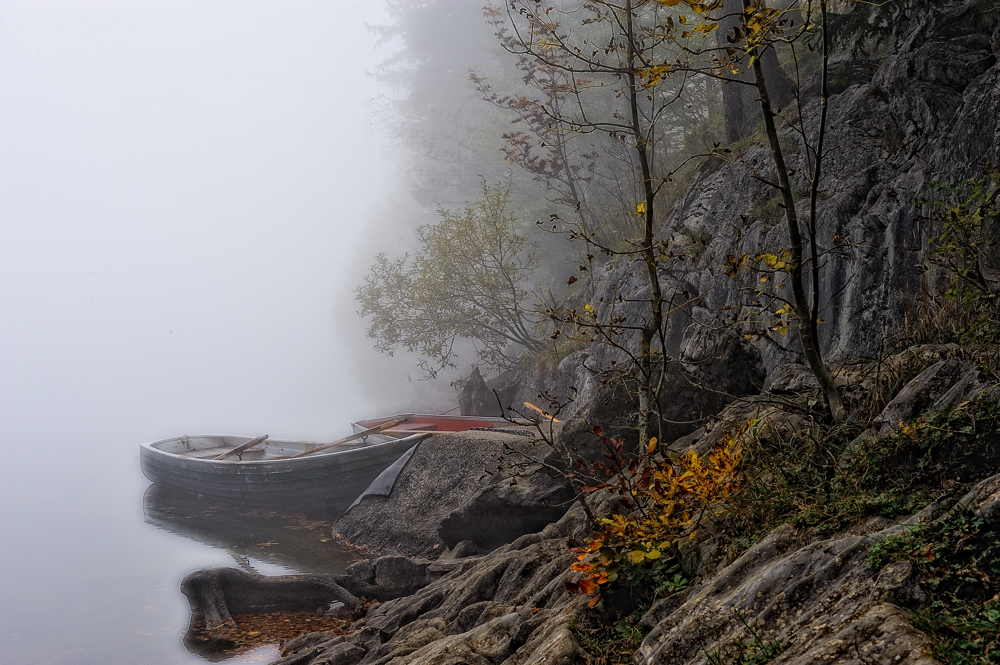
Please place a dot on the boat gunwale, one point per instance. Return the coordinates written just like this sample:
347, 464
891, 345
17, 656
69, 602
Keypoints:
151, 446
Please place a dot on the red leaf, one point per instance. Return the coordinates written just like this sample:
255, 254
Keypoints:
598, 431
572, 587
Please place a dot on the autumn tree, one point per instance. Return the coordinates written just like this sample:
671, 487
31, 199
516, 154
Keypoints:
760, 28
469, 279
542, 148
613, 69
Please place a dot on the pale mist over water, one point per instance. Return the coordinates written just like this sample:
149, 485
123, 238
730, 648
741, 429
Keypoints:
184, 187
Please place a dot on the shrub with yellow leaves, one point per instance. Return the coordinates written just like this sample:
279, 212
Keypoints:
669, 496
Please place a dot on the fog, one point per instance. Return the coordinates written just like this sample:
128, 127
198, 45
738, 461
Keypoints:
182, 187
188, 190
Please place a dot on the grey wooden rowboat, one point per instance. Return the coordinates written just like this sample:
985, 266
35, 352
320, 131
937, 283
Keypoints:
268, 473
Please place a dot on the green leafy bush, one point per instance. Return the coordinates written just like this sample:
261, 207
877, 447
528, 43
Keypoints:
968, 250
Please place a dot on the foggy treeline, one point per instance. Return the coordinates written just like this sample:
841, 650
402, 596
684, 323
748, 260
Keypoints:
470, 109
466, 111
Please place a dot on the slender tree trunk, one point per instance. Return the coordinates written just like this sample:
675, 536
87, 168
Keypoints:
647, 394
804, 313
739, 100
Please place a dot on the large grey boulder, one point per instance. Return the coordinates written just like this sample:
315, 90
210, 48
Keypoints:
456, 487
940, 386
722, 361
478, 399
716, 367
506, 510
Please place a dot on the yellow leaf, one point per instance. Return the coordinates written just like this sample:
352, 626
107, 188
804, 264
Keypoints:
782, 330
653, 554
640, 209
652, 446
636, 556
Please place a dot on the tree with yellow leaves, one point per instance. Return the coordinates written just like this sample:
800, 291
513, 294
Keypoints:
668, 497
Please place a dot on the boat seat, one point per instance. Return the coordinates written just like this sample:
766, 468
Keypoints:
208, 452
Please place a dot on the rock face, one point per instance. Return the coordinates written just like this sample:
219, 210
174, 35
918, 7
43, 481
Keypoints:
929, 113
939, 386
510, 606
715, 367
477, 399
818, 599
459, 487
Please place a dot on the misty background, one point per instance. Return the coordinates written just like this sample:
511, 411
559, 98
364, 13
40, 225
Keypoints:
190, 193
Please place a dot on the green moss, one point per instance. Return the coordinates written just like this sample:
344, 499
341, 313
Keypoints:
959, 563
815, 478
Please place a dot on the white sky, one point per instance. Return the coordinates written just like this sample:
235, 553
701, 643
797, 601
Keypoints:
181, 182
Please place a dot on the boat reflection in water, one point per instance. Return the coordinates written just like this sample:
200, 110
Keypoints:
290, 537
275, 501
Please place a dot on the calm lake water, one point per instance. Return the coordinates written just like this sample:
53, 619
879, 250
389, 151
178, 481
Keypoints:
92, 557
186, 201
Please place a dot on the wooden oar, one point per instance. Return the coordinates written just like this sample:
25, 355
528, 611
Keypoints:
373, 430
545, 414
243, 446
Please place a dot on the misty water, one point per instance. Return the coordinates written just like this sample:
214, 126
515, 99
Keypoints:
184, 188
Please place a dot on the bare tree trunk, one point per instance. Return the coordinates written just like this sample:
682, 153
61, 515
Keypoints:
740, 104
804, 313
650, 330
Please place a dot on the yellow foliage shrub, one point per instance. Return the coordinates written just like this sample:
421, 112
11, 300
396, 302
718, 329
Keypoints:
669, 497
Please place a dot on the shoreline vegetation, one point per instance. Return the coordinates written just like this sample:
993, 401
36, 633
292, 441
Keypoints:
761, 442
891, 518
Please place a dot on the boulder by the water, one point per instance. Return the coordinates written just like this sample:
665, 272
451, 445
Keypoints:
457, 487
503, 511
477, 399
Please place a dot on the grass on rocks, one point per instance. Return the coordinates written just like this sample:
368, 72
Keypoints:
825, 479
612, 642
959, 565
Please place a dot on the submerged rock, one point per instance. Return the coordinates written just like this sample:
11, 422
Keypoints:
218, 594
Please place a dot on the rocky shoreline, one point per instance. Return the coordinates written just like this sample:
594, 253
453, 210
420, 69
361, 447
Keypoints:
472, 550
817, 596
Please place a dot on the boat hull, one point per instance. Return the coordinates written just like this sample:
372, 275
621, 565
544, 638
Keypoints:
321, 481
